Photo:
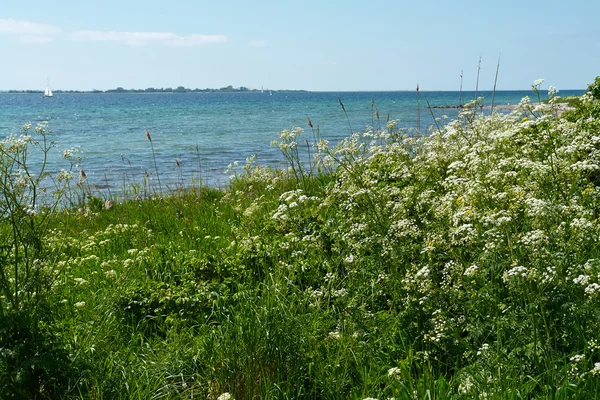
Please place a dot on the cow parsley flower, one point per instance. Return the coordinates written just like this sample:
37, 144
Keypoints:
592, 289
577, 358
471, 271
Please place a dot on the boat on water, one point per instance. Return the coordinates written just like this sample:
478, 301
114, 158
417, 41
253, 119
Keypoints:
48, 91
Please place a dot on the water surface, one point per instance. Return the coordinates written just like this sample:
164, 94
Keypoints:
205, 132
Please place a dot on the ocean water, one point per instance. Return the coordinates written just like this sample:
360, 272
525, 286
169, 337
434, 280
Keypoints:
204, 132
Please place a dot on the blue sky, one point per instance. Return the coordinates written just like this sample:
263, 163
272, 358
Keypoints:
327, 45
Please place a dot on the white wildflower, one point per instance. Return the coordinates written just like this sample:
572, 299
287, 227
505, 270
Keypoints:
471, 271
484, 347
64, 175
518, 271
29, 210
581, 280
339, 293
466, 386
395, 373
334, 335
536, 84
577, 358
592, 289
423, 272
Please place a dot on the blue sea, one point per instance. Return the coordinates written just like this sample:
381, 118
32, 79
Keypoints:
205, 132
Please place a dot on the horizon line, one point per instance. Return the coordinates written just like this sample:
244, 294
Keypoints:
237, 90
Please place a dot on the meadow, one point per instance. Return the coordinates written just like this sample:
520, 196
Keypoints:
461, 262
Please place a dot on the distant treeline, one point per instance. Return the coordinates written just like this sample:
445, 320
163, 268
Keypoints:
179, 89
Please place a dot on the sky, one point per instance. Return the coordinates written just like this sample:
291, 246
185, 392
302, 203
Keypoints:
319, 45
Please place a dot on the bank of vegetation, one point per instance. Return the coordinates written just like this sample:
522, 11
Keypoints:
178, 89
459, 264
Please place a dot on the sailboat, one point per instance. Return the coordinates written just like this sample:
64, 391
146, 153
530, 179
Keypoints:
48, 91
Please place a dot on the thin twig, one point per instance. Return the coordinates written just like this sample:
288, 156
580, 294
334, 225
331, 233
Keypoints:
433, 116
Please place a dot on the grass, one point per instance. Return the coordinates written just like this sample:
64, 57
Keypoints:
462, 264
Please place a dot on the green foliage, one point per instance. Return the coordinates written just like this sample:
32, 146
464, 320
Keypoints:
587, 104
463, 264
34, 361
158, 306
594, 88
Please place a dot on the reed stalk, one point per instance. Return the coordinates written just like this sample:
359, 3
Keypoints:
418, 112
477, 83
346, 114
154, 157
460, 99
495, 82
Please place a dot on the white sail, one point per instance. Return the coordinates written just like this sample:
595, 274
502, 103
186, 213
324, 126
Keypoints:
48, 91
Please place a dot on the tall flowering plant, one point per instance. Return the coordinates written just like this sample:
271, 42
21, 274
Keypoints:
25, 206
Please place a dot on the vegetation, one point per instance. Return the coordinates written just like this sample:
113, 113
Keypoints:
179, 89
462, 264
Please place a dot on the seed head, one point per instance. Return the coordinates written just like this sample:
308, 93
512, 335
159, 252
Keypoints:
148, 136
309, 122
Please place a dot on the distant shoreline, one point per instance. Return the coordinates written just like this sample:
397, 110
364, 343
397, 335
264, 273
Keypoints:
180, 89
229, 89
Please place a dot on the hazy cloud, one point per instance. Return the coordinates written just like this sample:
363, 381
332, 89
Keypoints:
257, 43
35, 39
144, 38
27, 28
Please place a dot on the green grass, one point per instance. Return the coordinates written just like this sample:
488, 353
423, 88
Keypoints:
463, 264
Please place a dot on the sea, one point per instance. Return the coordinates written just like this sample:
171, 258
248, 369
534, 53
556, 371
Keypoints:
196, 136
